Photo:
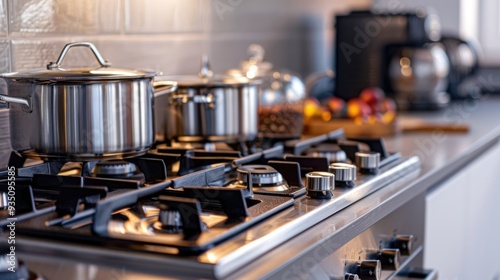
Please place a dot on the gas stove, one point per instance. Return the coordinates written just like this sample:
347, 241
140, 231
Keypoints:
186, 211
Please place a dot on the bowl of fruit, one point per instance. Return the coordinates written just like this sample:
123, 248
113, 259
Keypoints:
371, 114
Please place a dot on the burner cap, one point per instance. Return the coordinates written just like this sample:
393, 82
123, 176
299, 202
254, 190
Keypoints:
261, 174
114, 168
331, 151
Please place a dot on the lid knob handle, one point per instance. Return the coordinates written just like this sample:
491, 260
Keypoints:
256, 53
205, 72
100, 59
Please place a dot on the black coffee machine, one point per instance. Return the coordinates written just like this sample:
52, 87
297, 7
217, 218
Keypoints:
366, 43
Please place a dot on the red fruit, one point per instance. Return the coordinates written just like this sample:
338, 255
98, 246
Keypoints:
388, 105
335, 104
357, 108
372, 95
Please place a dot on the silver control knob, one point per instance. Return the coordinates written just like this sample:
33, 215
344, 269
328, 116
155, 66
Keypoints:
403, 242
370, 270
345, 174
368, 162
350, 276
390, 259
343, 171
320, 184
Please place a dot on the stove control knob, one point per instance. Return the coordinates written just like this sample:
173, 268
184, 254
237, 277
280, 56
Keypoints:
350, 276
320, 184
345, 174
403, 242
389, 258
368, 162
370, 270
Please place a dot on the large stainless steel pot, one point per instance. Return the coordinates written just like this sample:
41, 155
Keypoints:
83, 113
209, 108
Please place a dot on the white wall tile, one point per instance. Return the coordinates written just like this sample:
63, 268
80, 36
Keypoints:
30, 54
164, 16
3, 18
273, 16
169, 55
4, 56
226, 53
179, 55
31, 17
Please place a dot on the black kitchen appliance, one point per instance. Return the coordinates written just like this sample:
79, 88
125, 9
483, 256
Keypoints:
364, 43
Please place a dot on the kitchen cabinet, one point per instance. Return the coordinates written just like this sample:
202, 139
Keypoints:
462, 221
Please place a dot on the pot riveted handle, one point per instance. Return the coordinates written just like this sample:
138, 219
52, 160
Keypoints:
164, 87
180, 99
17, 100
100, 59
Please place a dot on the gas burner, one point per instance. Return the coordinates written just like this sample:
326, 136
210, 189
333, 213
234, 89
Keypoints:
330, 151
263, 177
117, 169
207, 146
114, 168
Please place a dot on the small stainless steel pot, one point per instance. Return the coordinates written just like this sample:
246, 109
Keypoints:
211, 108
281, 100
84, 113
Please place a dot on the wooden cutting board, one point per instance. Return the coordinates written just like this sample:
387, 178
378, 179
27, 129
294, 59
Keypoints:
400, 125
407, 124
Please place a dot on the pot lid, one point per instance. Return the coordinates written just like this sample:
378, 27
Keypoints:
206, 78
55, 73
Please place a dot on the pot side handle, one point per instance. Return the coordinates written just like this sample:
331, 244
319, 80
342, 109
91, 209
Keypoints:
164, 87
17, 100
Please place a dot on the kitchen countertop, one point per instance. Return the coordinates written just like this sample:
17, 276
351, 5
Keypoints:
441, 153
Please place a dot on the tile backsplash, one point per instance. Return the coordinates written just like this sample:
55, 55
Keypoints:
170, 35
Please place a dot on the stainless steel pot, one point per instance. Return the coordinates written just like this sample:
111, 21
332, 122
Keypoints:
211, 108
82, 114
